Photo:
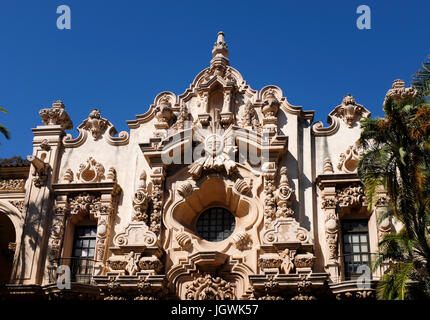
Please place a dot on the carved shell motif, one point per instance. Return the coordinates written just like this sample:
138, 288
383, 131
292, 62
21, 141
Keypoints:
92, 171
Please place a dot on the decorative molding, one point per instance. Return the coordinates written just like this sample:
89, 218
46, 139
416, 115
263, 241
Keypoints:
122, 139
328, 166
286, 230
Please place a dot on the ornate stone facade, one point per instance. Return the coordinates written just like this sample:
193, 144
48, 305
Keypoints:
220, 147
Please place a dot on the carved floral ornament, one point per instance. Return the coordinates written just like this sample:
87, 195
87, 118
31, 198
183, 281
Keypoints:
208, 287
350, 111
399, 92
12, 184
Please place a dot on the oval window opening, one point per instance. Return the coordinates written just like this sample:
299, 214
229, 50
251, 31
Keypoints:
215, 224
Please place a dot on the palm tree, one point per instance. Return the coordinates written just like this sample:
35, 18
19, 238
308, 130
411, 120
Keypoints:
3, 129
397, 156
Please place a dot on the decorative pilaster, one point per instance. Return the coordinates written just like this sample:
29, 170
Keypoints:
269, 173
331, 222
157, 178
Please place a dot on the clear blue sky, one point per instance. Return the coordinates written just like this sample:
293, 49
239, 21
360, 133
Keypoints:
120, 54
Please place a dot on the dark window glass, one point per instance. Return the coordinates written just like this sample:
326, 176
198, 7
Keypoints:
355, 247
215, 224
82, 261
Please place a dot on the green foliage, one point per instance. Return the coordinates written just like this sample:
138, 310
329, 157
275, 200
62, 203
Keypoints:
397, 157
3, 129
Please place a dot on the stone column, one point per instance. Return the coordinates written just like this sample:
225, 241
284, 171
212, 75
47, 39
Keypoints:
30, 263
331, 220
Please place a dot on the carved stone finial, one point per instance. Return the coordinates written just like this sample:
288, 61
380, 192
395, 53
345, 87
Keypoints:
163, 113
328, 166
399, 92
350, 111
56, 115
220, 51
95, 124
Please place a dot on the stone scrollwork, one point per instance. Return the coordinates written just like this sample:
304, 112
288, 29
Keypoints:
286, 230
135, 234
92, 171
241, 187
185, 189
328, 166
95, 124
56, 115
207, 287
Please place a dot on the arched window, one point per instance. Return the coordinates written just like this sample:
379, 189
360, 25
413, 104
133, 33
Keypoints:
215, 224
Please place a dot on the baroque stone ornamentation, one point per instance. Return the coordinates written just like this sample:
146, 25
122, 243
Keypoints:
68, 175
40, 170
164, 112
332, 230
12, 184
242, 240
56, 115
350, 111
270, 109
95, 124
249, 118
284, 196
305, 260
185, 189
157, 200
286, 230
92, 171
399, 92
84, 203
348, 161
242, 187
182, 118
57, 232
184, 240
270, 262
111, 174
269, 172
140, 201
207, 287
351, 196
19, 204
150, 265
219, 153
328, 166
